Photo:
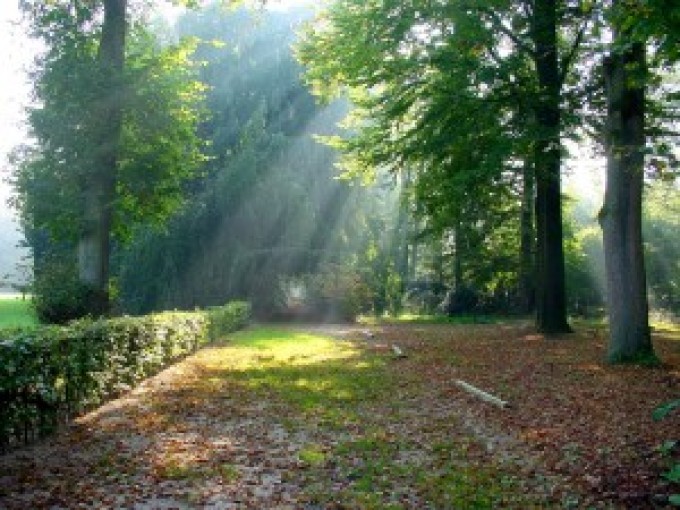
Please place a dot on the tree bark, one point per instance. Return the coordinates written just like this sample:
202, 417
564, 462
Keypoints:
527, 286
99, 186
457, 257
621, 215
551, 311
413, 257
401, 237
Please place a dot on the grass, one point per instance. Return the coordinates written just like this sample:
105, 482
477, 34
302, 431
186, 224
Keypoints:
313, 373
661, 323
332, 387
16, 312
421, 318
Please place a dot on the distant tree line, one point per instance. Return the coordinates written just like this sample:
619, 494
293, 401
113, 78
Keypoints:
474, 100
180, 174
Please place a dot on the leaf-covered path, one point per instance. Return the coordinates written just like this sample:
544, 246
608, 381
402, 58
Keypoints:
328, 418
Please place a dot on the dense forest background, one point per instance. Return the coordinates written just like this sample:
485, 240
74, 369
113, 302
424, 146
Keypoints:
262, 214
268, 209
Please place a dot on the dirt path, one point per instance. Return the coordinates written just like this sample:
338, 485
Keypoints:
285, 419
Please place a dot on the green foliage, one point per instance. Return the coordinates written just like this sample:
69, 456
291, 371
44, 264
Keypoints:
673, 473
584, 259
661, 223
58, 295
154, 154
268, 207
48, 374
230, 317
441, 93
402, 80
465, 95
159, 150
664, 410
337, 293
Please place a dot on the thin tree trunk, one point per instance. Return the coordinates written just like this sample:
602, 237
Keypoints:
621, 215
400, 240
440, 265
551, 310
457, 257
99, 187
527, 241
413, 259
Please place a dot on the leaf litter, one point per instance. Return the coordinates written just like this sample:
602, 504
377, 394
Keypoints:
327, 417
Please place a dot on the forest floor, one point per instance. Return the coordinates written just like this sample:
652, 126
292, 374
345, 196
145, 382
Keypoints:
328, 418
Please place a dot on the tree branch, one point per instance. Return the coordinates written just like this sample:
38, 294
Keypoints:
498, 23
569, 58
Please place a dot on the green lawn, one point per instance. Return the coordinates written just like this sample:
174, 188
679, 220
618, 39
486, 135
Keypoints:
423, 318
15, 311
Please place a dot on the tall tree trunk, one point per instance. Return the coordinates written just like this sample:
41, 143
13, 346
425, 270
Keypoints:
99, 186
621, 215
413, 258
438, 261
457, 257
551, 310
401, 235
527, 241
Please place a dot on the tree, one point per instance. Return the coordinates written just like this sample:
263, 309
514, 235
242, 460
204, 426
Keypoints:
621, 215
638, 27
424, 80
266, 207
661, 223
99, 187
551, 311
115, 141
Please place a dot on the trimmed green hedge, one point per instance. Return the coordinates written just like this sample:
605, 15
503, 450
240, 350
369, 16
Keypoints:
51, 373
227, 318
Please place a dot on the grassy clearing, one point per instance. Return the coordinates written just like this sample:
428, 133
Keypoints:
359, 436
15, 312
421, 318
368, 449
664, 324
314, 373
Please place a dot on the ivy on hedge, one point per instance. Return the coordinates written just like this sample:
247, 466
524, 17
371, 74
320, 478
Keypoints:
51, 373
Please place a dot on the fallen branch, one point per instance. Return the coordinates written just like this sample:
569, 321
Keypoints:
397, 351
488, 397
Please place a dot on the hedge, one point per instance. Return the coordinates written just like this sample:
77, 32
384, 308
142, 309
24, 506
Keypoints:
51, 373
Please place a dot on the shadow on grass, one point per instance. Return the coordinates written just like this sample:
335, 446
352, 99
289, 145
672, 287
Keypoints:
305, 371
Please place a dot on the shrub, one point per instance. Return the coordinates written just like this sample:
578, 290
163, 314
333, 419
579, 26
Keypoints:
668, 447
337, 293
58, 296
462, 300
229, 317
50, 373
334, 293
